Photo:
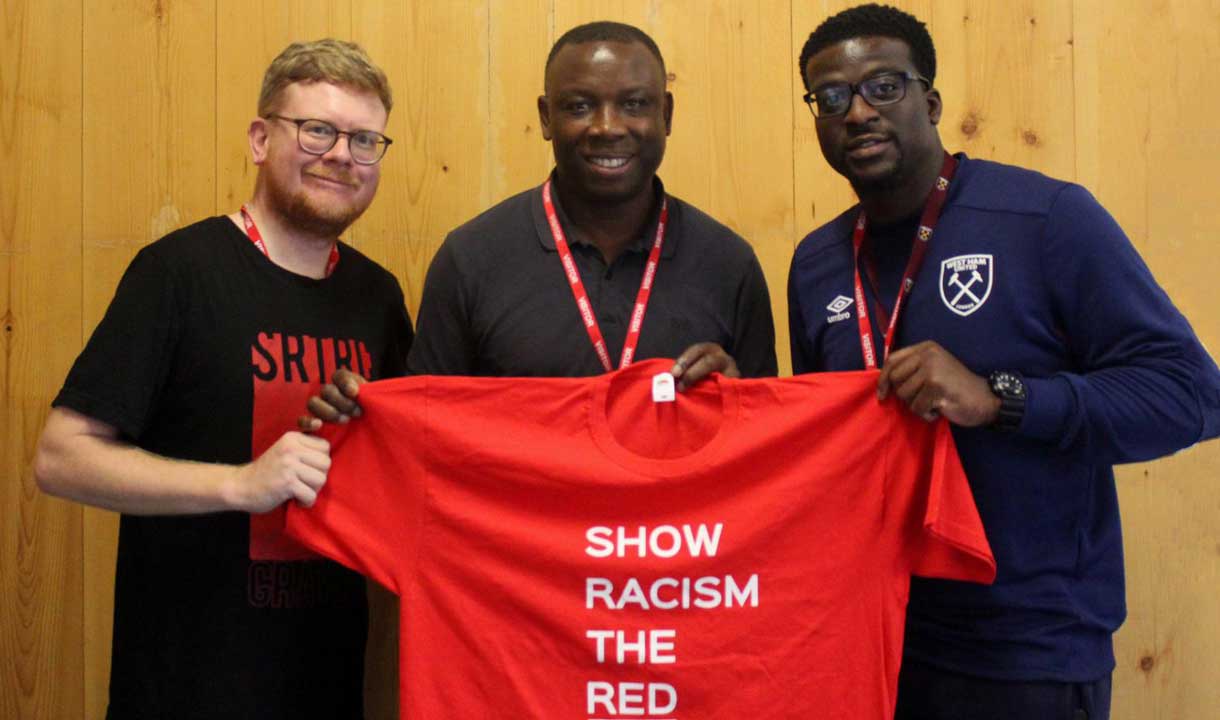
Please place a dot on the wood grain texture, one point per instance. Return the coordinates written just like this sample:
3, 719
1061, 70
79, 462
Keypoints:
146, 105
520, 35
249, 34
41, 594
1147, 139
149, 168
435, 55
1007, 81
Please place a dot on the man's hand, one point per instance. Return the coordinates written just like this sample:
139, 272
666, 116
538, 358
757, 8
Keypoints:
931, 382
294, 467
700, 360
336, 403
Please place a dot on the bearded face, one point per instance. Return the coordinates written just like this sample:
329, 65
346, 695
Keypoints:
319, 195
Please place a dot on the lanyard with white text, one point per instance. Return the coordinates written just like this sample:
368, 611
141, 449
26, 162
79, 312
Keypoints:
582, 297
919, 249
257, 238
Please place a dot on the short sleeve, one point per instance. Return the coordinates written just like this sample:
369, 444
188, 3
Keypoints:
370, 513
399, 336
444, 344
944, 536
120, 374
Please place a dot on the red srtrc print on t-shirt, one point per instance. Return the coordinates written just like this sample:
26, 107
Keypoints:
568, 548
287, 370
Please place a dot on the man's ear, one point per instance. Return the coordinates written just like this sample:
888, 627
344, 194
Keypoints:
669, 112
257, 134
544, 116
934, 105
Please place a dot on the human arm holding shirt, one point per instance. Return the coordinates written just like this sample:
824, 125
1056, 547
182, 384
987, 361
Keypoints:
1118, 376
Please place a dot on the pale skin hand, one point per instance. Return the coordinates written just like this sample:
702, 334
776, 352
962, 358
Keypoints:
83, 459
294, 468
932, 383
701, 360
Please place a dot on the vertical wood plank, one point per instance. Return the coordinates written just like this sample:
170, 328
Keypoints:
249, 34
732, 147
1147, 138
520, 37
41, 663
149, 168
1007, 81
432, 179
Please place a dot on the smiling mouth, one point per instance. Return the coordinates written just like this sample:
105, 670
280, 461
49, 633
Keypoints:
610, 163
866, 143
333, 180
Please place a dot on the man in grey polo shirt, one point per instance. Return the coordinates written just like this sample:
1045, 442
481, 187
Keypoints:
498, 300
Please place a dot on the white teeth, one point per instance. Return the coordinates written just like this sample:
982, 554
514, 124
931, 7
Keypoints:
608, 162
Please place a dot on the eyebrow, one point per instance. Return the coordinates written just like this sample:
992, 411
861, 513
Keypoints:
874, 72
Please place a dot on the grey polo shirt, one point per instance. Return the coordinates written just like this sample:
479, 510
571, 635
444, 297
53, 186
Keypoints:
497, 303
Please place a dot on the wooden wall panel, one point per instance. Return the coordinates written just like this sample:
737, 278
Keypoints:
146, 104
249, 34
435, 55
520, 35
41, 594
1148, 139
731, 149
149, 168
1007, 81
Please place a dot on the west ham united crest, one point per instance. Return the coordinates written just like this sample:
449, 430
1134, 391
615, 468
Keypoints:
965, 282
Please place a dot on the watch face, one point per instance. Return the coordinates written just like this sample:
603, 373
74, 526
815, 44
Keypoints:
1006, 384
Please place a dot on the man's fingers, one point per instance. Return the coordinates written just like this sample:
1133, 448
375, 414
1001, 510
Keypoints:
338, 400
312, 476
304, 494
701, 360
313, 442
308, 423
347, 382
925, 404
883, 383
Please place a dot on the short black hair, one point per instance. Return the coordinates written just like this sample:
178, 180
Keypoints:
873, 20
604, 31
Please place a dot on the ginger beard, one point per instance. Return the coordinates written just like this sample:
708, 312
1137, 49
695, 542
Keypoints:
320, 217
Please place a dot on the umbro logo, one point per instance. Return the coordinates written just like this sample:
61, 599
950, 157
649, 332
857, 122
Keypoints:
838, 309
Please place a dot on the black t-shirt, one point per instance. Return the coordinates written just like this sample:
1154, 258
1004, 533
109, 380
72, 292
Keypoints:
207, 350
497, 302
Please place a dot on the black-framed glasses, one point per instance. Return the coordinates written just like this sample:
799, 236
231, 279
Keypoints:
317, 137
879, 90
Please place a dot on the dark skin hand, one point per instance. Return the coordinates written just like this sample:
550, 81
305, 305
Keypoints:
337, 401
931, 382
335, 404
701, 360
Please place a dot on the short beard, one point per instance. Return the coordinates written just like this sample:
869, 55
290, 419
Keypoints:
309, 218
888, 182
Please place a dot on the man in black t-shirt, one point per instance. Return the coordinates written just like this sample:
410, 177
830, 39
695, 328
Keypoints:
179, 412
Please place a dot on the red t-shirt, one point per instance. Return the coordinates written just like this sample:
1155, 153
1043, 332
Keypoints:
567, 548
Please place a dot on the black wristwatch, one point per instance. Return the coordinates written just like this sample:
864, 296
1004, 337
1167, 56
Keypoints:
1010, 388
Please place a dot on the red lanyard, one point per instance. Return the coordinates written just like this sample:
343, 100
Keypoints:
257, 238
582, 297
919, 249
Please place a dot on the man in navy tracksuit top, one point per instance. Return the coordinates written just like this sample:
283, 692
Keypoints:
1035, 328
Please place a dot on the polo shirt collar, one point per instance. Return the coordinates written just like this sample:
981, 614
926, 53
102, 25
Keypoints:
642, 244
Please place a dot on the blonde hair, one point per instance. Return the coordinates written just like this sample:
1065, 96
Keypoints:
328, 60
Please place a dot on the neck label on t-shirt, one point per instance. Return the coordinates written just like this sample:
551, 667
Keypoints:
663, 387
